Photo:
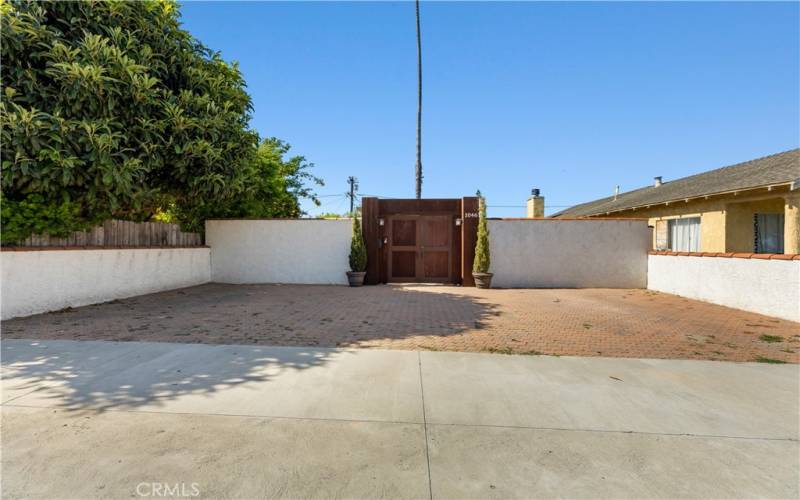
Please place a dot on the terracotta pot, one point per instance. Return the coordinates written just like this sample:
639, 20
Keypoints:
356, 278
483, 280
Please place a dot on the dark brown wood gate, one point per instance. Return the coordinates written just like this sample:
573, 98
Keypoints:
428, 240
419, 248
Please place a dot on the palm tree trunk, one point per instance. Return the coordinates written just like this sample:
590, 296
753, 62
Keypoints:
419, 108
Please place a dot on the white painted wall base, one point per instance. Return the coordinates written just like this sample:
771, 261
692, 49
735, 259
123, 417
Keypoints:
525, 254
48, 280
770, 287
305, 251
552, 253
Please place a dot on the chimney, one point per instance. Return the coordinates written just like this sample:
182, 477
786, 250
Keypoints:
535, 204
616, 193
657, 181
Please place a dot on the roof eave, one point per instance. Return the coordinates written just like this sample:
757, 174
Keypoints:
793, 185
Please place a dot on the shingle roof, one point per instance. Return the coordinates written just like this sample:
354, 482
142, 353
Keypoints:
780, 168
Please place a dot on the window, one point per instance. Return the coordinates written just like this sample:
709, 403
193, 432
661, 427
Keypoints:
768, 230
684, 234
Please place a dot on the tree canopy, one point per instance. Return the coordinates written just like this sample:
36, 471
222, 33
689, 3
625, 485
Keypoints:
275, 184
111, 109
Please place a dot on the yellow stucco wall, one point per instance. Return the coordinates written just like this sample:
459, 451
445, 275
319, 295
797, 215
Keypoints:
791, 230
726, 221
739, 230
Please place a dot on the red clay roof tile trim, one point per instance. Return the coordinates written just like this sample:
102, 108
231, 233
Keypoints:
565, 219
739, 255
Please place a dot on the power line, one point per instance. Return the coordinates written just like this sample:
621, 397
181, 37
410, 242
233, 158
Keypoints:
362, 195
332, 202
382, 197
340, 204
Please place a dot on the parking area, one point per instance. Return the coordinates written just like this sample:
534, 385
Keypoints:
631, 323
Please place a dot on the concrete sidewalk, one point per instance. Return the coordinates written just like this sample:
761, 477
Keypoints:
114, 420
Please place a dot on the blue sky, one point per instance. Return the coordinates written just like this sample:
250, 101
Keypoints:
572, 98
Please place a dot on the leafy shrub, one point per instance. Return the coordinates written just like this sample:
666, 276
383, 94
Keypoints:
482, 258
274, 185
111, 109
34, 215
358, 250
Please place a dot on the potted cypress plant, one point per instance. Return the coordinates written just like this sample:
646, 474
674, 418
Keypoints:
358, 256
480, 267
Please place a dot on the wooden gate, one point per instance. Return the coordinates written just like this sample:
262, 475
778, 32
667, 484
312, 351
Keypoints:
419, 248
420, 240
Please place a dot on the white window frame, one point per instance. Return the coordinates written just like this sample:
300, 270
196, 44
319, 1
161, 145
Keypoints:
684, 234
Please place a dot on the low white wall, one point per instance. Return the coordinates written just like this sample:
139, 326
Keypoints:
48, 280
309, 251
554, 253
770, 287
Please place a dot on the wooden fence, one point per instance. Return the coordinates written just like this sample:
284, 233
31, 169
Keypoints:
120, 233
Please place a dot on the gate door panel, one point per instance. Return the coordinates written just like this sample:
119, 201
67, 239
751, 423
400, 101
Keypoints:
403, 248
435, 247
419, 248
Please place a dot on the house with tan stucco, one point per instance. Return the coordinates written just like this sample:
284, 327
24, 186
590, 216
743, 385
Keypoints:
752, 206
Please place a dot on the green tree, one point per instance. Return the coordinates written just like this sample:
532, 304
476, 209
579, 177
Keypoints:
482, 258
275, 184
281, 182
111, 109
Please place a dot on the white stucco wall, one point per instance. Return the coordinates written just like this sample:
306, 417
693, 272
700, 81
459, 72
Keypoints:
770, 287
569, 253
310, 251
48, 280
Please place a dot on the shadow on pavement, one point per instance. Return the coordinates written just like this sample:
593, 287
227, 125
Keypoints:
106, 375
279, 315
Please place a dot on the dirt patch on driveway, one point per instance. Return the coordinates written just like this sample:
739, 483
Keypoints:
585, 322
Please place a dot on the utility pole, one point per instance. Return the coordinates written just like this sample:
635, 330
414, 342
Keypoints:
352, 194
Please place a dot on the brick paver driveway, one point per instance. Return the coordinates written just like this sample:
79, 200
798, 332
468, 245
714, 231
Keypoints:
586, 322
